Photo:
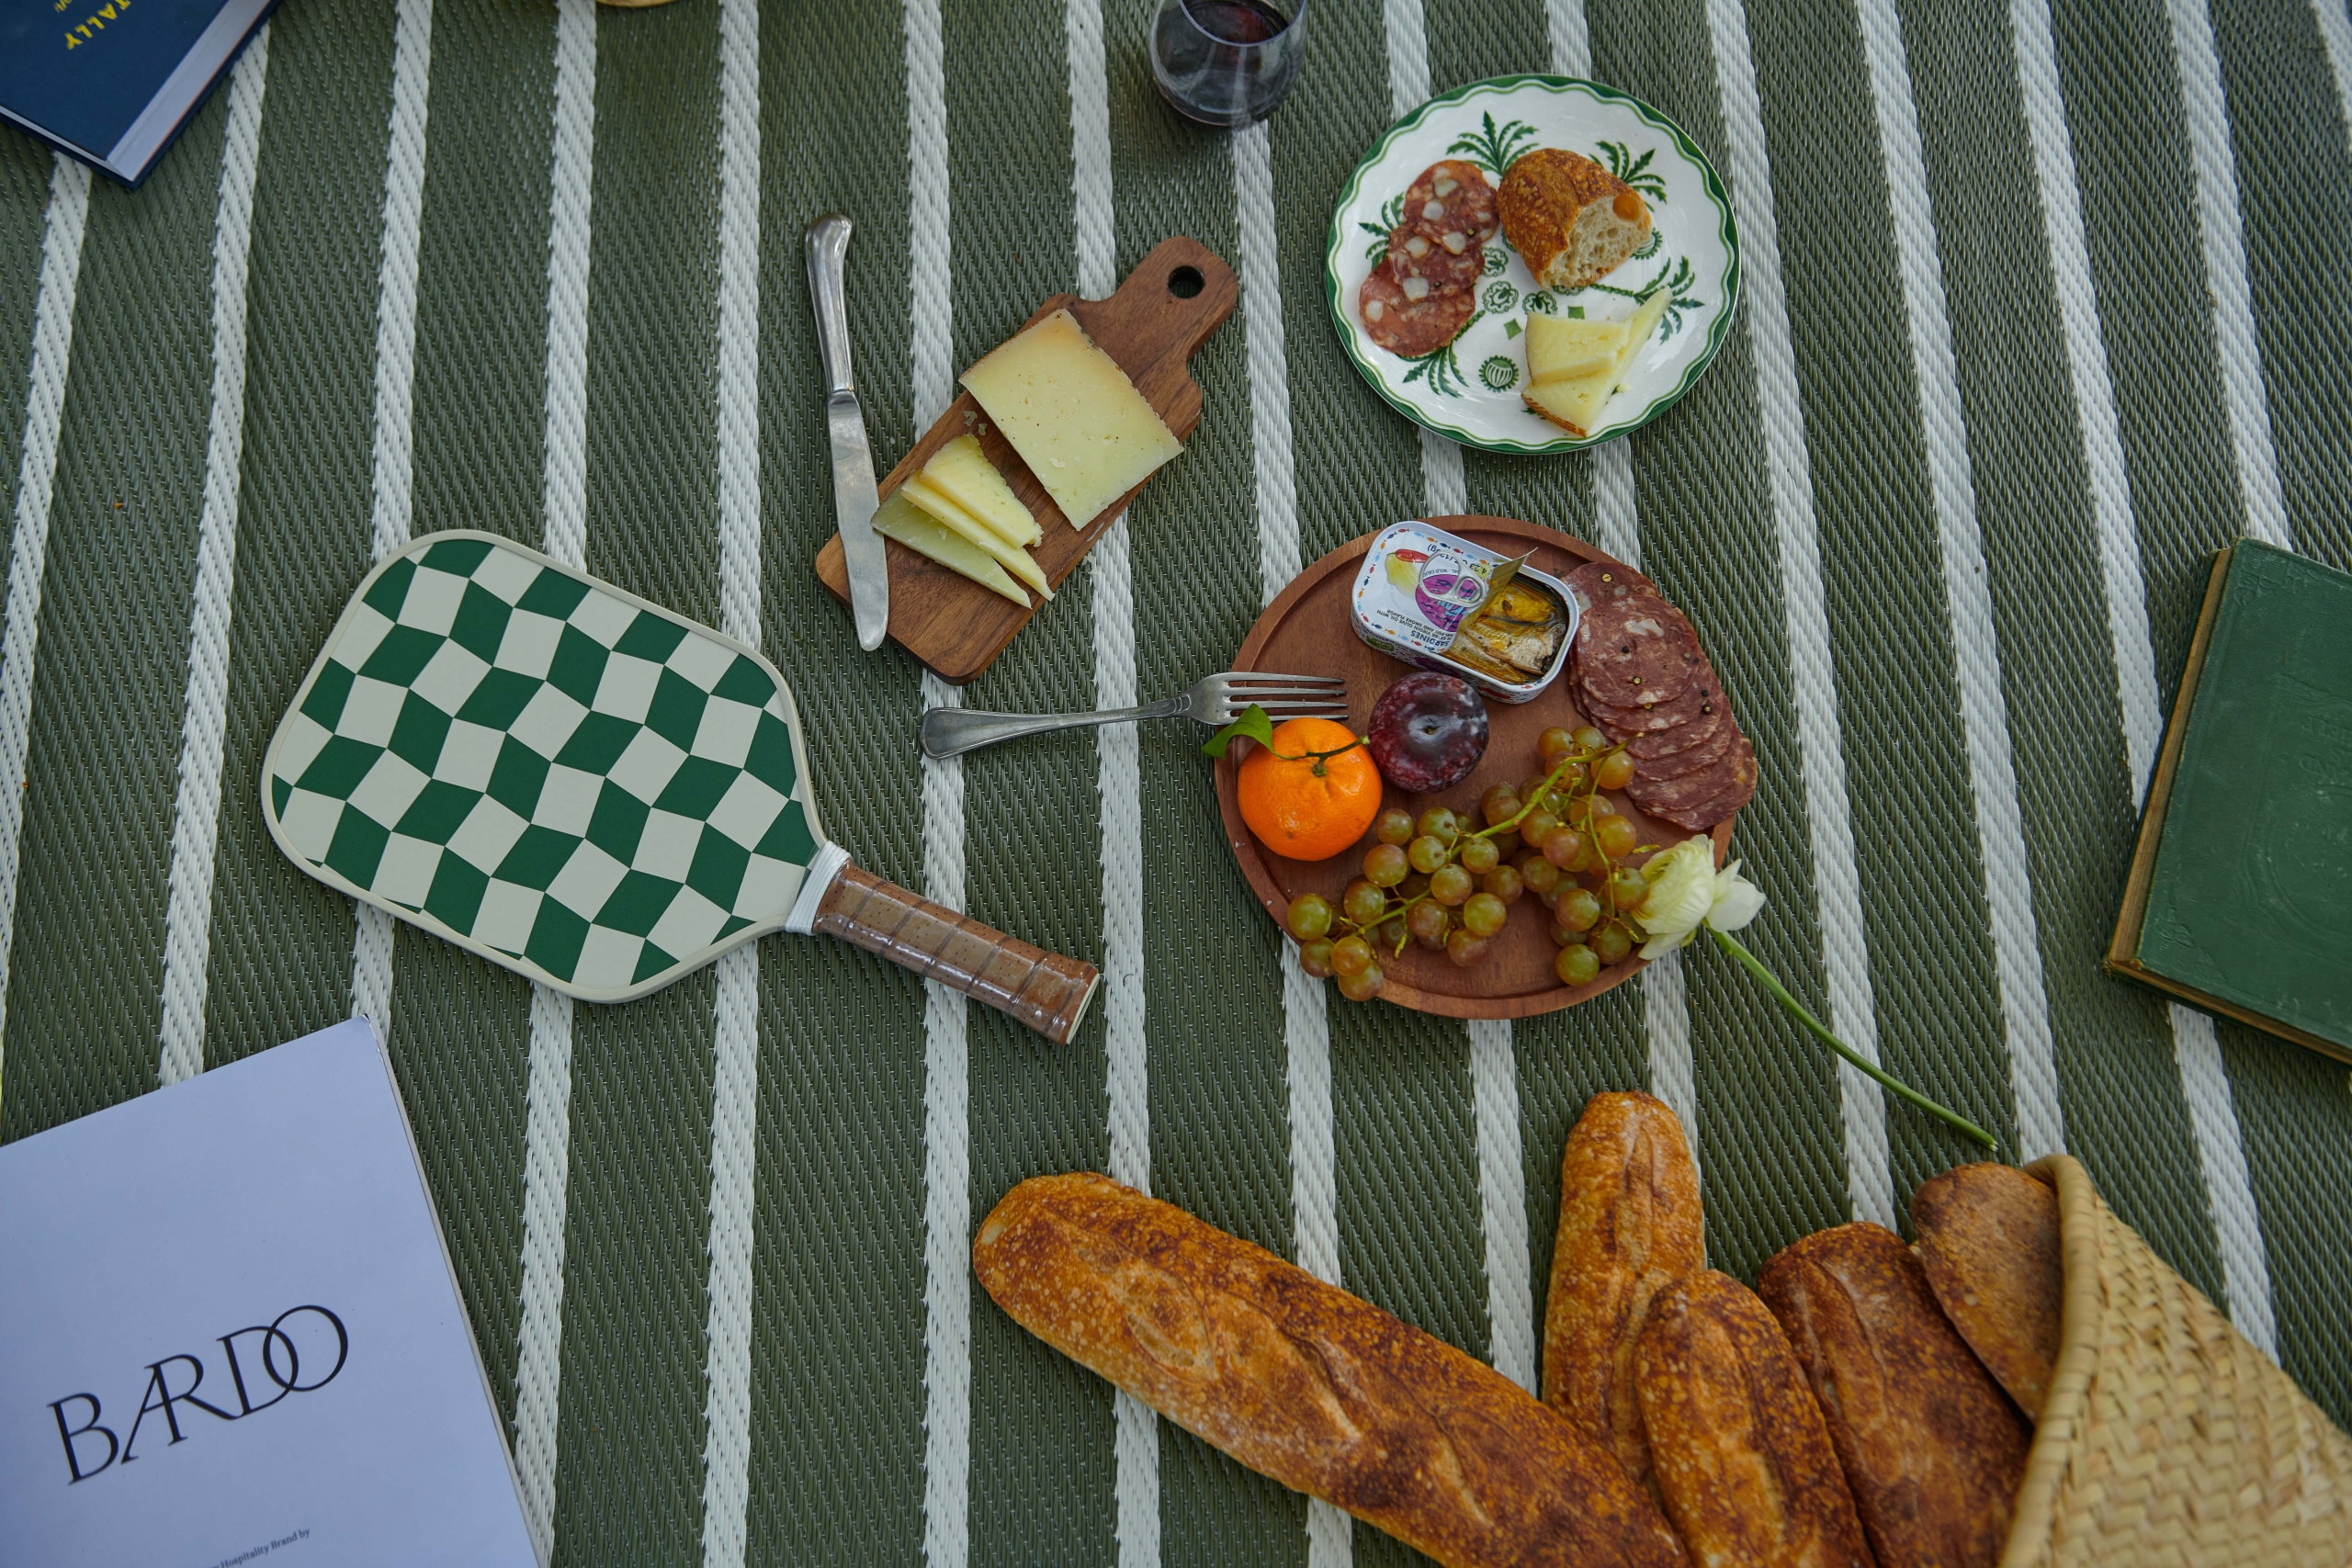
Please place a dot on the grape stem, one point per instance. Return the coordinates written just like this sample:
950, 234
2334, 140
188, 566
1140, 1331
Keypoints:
1909, 1096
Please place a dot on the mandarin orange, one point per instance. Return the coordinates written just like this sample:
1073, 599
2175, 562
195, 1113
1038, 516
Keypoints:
1304, 806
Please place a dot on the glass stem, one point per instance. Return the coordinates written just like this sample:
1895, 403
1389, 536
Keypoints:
1901, 1091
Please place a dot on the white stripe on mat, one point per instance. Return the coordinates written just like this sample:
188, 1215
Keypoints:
1118, 780
1812, 686
196, 811
1494, 1078
735, 1041
1307, 1034
371, 947
2237, 1226
60, 272
1665, 1000
946, 1095
547, 1161
2220, 233
2335, 36
1992, 773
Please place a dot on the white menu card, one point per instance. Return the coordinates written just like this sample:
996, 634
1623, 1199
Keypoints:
230, 1335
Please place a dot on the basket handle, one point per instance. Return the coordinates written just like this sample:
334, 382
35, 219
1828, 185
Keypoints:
1045, 990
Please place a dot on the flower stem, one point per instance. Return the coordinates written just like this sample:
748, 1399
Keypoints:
1901, 1091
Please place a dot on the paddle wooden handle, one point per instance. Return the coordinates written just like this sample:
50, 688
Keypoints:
1045, 990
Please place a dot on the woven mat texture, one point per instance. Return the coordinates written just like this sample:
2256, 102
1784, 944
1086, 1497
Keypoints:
674, 1406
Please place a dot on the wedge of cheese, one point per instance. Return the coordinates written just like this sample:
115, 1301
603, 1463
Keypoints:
1564, 348
1576, 405
961, 472
899, 518
937, 507
1073, 415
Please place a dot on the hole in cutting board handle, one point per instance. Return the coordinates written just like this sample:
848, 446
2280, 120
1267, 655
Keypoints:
1186, 282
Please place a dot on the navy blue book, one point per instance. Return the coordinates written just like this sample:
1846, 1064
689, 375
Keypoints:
111, 82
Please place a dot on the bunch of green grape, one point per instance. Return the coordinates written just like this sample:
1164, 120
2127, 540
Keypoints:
1448, 885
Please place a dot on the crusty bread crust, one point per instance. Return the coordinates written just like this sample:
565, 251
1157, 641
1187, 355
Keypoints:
1989, 1246
1306, 1383
1744, 1459
1571, 220
1630, 1227
1934, 1453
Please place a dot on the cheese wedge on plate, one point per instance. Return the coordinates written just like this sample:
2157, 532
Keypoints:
899, 518
1073, 415
1564, 348
1577, 404
961, 472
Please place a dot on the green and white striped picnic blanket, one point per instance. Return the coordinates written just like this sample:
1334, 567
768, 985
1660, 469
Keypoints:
2042, 306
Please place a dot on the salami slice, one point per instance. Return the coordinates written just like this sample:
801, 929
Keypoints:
1445, 263
1653, 723
1698, 800
1597, 581
1452, 196
1699, 716
1409, 327
1711, 749
1637, 652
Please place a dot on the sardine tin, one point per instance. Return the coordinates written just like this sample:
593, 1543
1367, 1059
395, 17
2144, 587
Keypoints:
1416, 585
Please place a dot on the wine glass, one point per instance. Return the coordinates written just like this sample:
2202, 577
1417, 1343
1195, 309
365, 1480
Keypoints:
1225, 62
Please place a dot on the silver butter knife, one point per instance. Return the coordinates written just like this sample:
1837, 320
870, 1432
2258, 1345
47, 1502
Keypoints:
854, 498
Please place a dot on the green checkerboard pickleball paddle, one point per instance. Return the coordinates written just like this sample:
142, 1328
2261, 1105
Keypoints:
587, 788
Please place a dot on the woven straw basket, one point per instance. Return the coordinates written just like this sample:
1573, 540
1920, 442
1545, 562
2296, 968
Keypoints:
2167, 1438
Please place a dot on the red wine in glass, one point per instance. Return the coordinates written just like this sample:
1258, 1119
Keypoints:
1225, 62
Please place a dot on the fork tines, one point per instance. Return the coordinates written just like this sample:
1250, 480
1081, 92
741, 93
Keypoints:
1288, 696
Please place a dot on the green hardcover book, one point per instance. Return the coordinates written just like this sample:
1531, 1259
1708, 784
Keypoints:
2240, 898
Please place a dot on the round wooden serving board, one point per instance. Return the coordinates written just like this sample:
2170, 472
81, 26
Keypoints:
1305, 632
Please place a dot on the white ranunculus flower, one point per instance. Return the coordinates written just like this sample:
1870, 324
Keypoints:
1686, 892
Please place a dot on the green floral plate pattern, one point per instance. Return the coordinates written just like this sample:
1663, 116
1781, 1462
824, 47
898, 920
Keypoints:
1470, 390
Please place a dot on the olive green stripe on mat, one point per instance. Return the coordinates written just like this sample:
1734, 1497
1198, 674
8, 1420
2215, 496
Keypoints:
2294, 171
282, 941
628, 1483
2126, 1117
837, 1349
1041, 1451
460, 1034
1218, 1061
1771, 1136
84, 1005
1931, 953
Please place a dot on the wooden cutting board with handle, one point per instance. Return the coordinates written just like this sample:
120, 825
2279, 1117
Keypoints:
1167, 308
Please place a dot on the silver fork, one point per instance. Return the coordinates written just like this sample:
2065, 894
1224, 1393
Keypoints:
1216, 701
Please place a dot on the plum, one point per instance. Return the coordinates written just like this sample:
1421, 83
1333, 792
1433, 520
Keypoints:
1428, 732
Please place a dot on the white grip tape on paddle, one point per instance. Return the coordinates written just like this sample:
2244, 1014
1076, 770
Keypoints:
822, 871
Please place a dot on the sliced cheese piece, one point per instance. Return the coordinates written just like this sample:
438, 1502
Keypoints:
1644, 322
1073, 415
961, 472
1578, 405
937, 506
1563, 348
900, 519
1574, 405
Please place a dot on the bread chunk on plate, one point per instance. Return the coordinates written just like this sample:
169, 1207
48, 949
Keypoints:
1573, 220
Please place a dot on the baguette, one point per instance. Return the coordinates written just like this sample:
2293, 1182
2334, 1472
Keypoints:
1306, 1383
1989, 1243
1934, 1453
1573, 220
1744, 1460
1630, 1227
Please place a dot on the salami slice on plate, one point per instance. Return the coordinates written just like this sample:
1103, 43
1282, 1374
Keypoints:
1411, 327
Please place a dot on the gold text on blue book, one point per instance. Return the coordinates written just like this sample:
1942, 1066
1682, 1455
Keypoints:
98, 19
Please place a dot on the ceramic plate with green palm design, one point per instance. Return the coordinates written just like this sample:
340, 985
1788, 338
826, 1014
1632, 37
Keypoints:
1470, 388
